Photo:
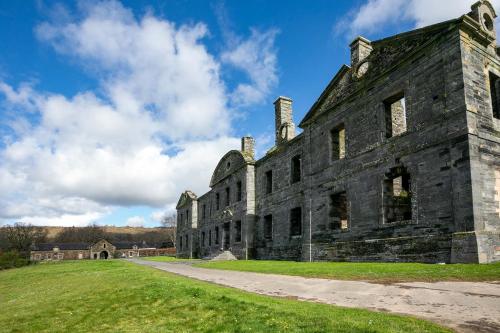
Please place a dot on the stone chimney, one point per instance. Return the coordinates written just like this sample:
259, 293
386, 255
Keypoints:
285, 128
248, 146
360, 49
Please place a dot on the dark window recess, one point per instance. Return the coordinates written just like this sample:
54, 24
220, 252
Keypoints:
296, 222
338, 148
397, 195
187, 241
210, 238
237, 231
204, 211
182, 218
187, 216
338, 211
217, 235
217, 201
203, 238
268, 227
180, 243
238, 191
495, 94
296, 171
395, 115
269, 181
228, 196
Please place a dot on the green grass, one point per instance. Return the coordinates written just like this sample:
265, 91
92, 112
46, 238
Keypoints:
119, 296
377, 272
167, 259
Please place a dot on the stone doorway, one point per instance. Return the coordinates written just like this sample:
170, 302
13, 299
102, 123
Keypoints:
103, 255
227, 236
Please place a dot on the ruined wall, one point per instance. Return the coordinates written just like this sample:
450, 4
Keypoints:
433, 150
284, 196
230, 225
480, 240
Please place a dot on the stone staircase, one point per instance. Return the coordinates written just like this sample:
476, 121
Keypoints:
223, 255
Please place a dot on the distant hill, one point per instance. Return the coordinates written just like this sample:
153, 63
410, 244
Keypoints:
53, 232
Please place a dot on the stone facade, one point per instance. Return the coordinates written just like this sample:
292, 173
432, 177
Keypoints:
99, 250
398, 161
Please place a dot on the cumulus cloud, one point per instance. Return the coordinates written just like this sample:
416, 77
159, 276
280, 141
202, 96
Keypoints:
374, 15
256, 57
157, 125
136, 221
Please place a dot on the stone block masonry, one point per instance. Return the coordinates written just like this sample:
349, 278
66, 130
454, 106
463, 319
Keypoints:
398, 160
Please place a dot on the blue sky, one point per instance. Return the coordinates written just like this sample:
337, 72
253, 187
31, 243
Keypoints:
108, 110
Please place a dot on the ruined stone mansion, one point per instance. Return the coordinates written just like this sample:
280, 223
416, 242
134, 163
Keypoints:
398, 160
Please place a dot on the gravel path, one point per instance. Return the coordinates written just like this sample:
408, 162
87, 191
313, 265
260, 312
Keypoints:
463, 306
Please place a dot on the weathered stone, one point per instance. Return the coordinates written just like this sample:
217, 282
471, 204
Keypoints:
399, 162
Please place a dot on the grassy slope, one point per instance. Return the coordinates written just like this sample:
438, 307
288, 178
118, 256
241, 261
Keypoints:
382, 272
117, 296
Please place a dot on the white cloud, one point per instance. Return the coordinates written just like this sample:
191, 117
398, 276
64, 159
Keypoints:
135, 221
256, 57
158, 125
375, 15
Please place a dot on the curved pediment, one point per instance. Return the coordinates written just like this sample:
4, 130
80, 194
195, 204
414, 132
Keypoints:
228, 164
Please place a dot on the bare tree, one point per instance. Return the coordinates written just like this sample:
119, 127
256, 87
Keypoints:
21, 236
170, 222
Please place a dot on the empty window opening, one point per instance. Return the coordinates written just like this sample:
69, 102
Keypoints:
237, 231
269, 181
216, 235
182, 218
397, 195
268, 227
296, 171
187, 216
339, 211
395, 115
495, 94
296, 222
209, 237
238, 191
180, 243
217, 201
203, 238
338, 143
186, 241
228, 196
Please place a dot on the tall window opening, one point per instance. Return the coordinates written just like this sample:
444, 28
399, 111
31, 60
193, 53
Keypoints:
217, 201
296, 171
237, 231
216, 235
296, 222
186, 238
269, 181
209, 237
338, 143
238, 191
395, 115
397, 195
495, 94
228, 196
203, 238
268, 227
180, 243
204, 211
339, 211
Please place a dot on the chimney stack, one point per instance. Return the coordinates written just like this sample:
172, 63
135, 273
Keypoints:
360, 49
284, 126
248, 146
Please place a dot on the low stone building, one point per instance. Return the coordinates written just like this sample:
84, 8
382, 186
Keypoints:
398, 160
99, 250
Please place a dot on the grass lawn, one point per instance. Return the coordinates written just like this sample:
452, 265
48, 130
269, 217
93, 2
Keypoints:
119, 296
378, 272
